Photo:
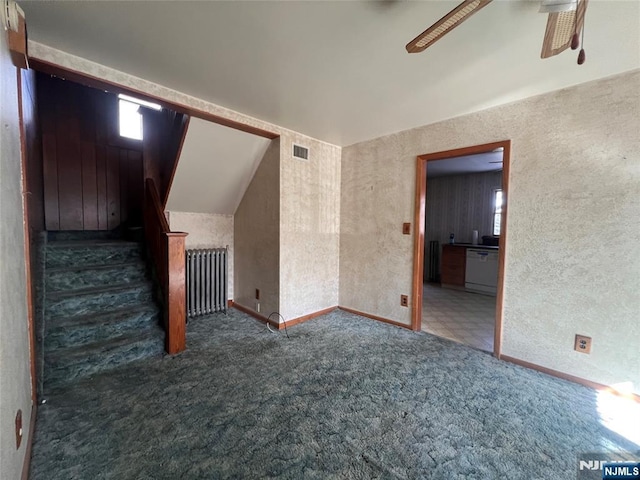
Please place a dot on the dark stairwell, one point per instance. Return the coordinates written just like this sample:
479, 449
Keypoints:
99, 311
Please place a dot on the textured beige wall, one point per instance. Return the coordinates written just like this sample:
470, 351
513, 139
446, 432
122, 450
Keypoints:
257, 236
218, 162
308, 230
206, 230
572, 264
15, 376
309, 227
376, 198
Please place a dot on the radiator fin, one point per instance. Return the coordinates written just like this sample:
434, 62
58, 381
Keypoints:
207, 281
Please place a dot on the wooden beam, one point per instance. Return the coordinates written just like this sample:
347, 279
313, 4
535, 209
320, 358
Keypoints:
418, 245
95, 82
502, 250
17, 42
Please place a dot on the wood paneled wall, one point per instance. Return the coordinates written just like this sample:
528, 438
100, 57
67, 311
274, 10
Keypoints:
459, 204
93, 178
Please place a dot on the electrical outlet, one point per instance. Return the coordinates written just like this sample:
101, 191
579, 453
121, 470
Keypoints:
404, 300
257, 294
406, 229
258, 307
582, 344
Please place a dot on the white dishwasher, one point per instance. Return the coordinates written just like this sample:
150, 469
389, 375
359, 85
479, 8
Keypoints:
481, 274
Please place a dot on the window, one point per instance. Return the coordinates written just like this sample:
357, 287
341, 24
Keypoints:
130, 117
497, 211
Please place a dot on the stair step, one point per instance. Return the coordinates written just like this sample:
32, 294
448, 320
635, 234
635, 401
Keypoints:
67, 332
87, 276
54, 236
99, 308
70, 364
100, 242
96, 300
90, 252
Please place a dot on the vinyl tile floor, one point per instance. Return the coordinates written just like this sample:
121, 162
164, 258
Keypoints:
463, 317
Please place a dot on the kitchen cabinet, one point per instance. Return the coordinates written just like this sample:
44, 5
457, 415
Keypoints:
453, 265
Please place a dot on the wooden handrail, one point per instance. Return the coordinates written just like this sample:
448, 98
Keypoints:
177, 136
155, 204
164, 135
168, 257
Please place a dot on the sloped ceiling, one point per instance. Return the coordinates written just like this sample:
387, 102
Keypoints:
215, 168
338, 71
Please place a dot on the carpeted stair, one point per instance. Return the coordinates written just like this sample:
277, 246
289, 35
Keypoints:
99, 311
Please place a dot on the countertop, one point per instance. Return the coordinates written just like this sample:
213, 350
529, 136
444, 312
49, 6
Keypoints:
469, 245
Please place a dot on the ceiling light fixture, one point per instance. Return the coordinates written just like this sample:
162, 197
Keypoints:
563, 28
554, 6
447, 23
10, 14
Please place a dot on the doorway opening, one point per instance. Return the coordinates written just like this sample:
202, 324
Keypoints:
461, 205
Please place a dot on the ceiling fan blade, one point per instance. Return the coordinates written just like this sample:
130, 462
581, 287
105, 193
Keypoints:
560, 29
447, 23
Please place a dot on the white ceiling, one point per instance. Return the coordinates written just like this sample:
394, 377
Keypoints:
477, 163
215, 168
337, 71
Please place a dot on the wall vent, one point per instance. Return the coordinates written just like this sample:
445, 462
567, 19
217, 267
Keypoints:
300, 152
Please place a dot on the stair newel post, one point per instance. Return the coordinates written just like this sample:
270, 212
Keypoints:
176, 313
168, 256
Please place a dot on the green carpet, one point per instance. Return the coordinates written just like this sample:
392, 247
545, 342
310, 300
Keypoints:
344, 397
